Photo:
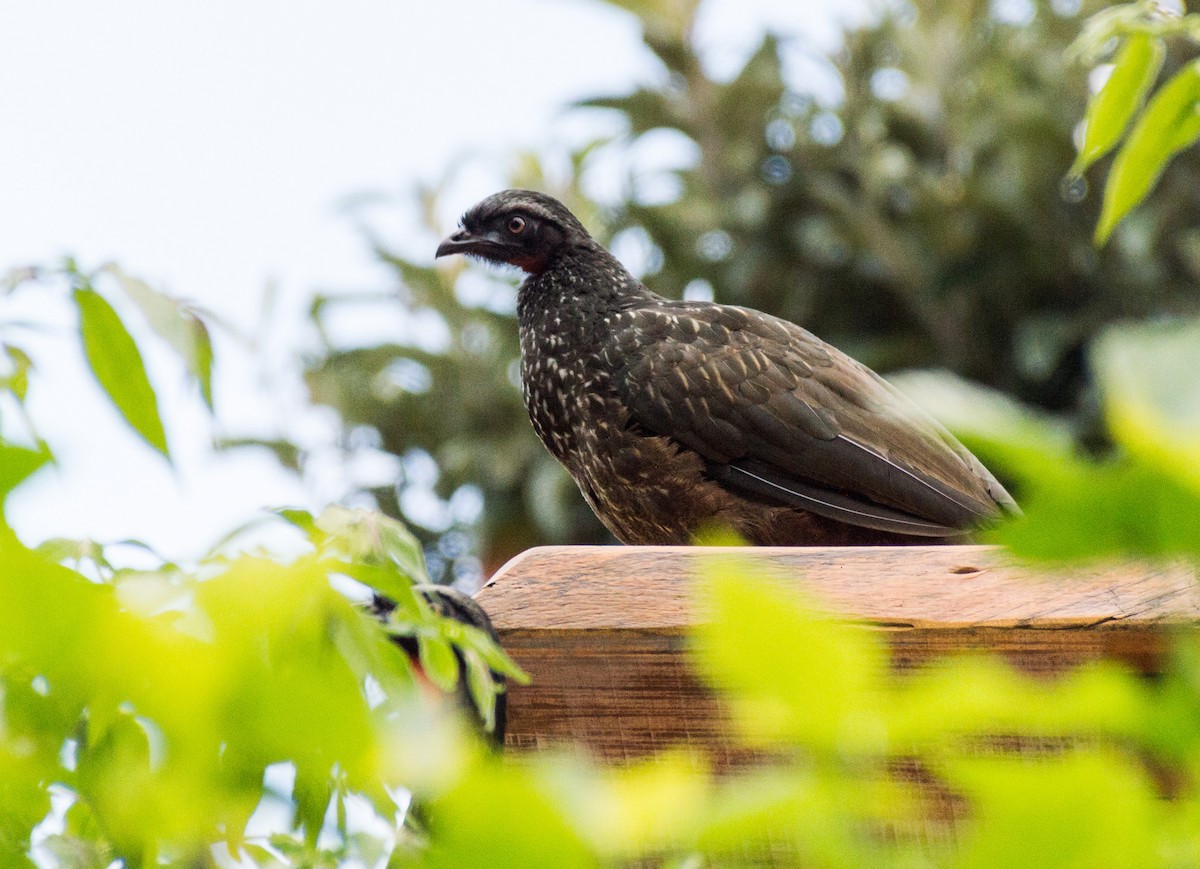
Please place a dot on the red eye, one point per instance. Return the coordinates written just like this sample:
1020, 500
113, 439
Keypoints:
516, 225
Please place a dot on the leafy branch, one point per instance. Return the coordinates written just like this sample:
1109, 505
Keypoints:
1153, 130
112, 352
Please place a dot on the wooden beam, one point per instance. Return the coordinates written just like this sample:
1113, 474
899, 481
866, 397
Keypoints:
602, 629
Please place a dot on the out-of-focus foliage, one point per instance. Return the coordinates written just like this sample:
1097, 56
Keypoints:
244, 712
108, 347
1142, 497
153, 714
1168, 123
927, 216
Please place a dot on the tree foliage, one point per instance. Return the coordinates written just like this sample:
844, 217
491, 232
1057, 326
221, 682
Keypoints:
245, 712
930, 216
148, 713
1166, 125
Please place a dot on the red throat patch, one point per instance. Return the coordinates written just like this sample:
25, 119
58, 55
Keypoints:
534, 264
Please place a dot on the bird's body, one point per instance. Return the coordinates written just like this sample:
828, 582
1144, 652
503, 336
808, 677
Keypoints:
678, 417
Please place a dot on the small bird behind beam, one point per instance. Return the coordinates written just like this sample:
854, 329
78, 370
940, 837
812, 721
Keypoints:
679, 417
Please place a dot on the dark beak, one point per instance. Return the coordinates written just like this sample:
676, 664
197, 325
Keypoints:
488, 245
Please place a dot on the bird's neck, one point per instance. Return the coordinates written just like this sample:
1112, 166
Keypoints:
571, 298
565, 315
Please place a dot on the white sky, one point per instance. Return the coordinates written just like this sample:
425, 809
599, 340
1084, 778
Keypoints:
209, 147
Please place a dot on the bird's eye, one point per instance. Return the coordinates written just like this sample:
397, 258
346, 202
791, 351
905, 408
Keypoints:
516, 225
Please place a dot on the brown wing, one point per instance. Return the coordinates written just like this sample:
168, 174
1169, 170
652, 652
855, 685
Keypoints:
780, 415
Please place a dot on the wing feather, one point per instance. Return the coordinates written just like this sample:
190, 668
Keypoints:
781, 415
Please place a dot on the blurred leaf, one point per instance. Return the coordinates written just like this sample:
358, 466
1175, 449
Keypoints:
473, 639
112, 775
1151, 396
438, 662
773, 653
1143, 498
952, 701
393, 584
175, 323
1014, 435
201, 361
497, 816
1114, 105
648, 807
286, 453
1169, 124
62, 549
1086, 809
115, 361
17, 464
677, 13
482, 688
1116, 508
804, 815
1100, 30
302, 519
17, 380
369, 536
311, 794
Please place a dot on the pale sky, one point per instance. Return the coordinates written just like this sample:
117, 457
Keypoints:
210, 148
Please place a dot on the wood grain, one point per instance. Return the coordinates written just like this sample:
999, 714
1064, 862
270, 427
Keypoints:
602, 629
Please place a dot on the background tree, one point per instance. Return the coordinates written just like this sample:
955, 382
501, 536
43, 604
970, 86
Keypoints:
924, 218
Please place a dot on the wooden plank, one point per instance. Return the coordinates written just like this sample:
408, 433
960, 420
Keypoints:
601, 629
589, 587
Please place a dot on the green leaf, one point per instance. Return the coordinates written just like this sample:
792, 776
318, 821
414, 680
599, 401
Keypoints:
17, 464
1169, 124
286, 453
1093, 808
175, 323
390, 582
791, 673
114, 773
60, 549
1075, 511
299, 517
1111, 109
311, 794
1145, 498
951, 701
497, 816
653, 805
201, 362
117, 365
17, 380
1151, 399
469, 637
438, 662
482, 687
373, 537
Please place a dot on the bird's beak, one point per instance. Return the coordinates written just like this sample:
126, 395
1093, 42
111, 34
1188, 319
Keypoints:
488, 244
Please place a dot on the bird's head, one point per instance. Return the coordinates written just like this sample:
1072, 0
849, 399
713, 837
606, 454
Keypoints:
522, 228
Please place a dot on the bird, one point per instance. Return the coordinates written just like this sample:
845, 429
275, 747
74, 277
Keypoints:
680, 418
451, 603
